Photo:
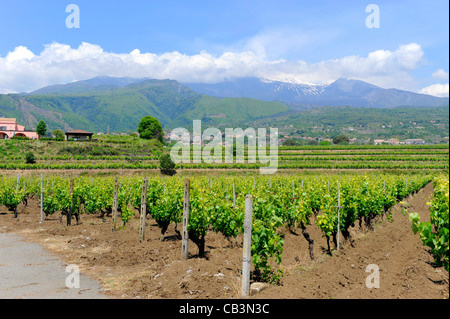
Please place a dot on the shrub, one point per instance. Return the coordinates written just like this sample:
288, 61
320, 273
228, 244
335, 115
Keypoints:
341, 139
291, 142
166, 165
30, 158
59, 135
20, 138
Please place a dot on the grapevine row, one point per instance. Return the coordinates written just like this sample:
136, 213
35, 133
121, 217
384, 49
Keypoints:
217, 204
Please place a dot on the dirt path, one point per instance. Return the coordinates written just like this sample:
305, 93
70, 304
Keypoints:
127, 268
28, 271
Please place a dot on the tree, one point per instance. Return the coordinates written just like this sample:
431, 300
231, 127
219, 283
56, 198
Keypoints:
58, 134
291, 142
324, 143
166, 165
41, 128
30, 158
340, 139
150, 128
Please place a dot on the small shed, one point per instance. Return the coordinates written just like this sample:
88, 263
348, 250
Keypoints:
79, 135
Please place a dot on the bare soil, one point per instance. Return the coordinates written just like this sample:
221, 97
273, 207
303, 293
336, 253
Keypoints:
154, 269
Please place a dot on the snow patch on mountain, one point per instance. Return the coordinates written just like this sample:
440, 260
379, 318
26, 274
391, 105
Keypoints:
293, 85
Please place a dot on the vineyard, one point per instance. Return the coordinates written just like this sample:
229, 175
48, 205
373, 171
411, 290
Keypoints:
223, 155
105, 203
434, 234
131, 153
334, 205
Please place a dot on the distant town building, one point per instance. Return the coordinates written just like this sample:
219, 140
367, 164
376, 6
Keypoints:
414, 141
393, 141
378, 142
9, 128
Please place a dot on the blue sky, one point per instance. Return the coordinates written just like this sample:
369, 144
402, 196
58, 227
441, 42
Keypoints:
209, 41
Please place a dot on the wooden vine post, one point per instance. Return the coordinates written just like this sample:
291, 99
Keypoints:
143, 210
115, 203
186, 210
247, 254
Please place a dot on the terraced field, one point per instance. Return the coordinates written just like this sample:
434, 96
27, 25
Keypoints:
133, 153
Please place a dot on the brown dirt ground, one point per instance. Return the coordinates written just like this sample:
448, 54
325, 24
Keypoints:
127, 268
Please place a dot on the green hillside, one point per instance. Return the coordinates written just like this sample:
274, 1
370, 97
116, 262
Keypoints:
121, 108
117, 105
429, 123
227, 111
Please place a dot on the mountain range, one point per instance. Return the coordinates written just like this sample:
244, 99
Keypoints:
117, 105
112, 104
342, 92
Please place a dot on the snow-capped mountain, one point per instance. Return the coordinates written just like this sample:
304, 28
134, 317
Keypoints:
341, 92
300, 88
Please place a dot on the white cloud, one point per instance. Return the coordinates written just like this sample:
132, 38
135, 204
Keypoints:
439, 90
440, 74
23, 71
382, 67
409, 56
19, 53
276, 43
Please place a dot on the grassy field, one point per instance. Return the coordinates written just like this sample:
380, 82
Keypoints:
128, 152
134, 153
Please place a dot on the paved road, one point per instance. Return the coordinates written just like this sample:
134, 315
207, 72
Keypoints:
28, 271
